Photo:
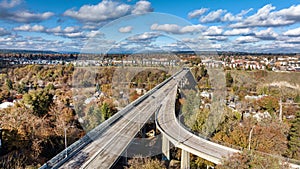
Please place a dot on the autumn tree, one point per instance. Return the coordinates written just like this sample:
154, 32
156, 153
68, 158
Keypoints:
253, 160
145, 163
267, 136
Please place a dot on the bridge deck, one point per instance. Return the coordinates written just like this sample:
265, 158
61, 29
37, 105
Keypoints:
108, 146
182, 138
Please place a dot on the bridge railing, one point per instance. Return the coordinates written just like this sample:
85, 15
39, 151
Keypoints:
61, 158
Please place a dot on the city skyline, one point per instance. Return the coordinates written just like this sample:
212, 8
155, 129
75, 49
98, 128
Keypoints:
247, 26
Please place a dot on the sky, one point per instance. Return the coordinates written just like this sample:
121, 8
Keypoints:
140, 25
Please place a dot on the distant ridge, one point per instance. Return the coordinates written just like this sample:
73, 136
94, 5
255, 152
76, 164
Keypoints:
24, 51
27, 51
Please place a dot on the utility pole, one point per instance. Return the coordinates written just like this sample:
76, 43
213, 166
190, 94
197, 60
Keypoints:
250, 136
280, 110
66, 144
0, 137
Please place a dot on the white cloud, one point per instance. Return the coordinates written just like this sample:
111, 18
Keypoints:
107, 10
169, 28
267, 34
27, 27
9, 4
144, 37
142, 7
27, 17
23, 28
11, 10
4, 32
37, 28
125, 29
197, 13
213, 31
247, 39
291, 13
266, 17
292, 32
214, 16
192, 29
234, 32
54, 30
176, 29
104, 10
217, 38
229, 17
74, 35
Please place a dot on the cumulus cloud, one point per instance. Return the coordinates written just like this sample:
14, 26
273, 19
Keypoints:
213, 31
9, 10
27, 27
229, 17
9, 4
70, 31
142, 7
104, 10
27, 17
214, 16
266, 17
144, 37
292, 32
197, 13
235, 32
267, 34
4, 32
107, 10
246, 39
176, 29
125, 29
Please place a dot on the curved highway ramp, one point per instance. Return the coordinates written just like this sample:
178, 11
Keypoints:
102, 146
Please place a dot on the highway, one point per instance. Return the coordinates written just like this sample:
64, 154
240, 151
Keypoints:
106, 148
102, 147
168, 125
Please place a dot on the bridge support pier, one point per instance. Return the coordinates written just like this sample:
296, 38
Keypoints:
165, 148
143, 132
185, 160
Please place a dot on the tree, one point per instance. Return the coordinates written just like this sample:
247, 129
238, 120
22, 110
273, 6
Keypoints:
253, 160
297, 98
9, 84
106, 111
294, 138
145, 163
39, 101
203, 71
21, 88
267, 136
229, 79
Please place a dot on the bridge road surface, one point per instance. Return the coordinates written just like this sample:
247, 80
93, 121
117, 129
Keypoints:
108, 146
169, 126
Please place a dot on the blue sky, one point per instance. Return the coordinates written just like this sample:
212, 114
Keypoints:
218, 25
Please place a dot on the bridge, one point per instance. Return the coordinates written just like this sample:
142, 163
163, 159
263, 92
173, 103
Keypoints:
102, 146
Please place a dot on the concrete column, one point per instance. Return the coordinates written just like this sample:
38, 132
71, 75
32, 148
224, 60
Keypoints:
165, 148
125, 157
143, 132
185, 160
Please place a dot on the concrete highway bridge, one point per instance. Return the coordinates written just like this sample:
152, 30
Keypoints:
102, 146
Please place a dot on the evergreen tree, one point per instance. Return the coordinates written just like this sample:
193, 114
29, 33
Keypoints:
229, 79
294, 138
9, 84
